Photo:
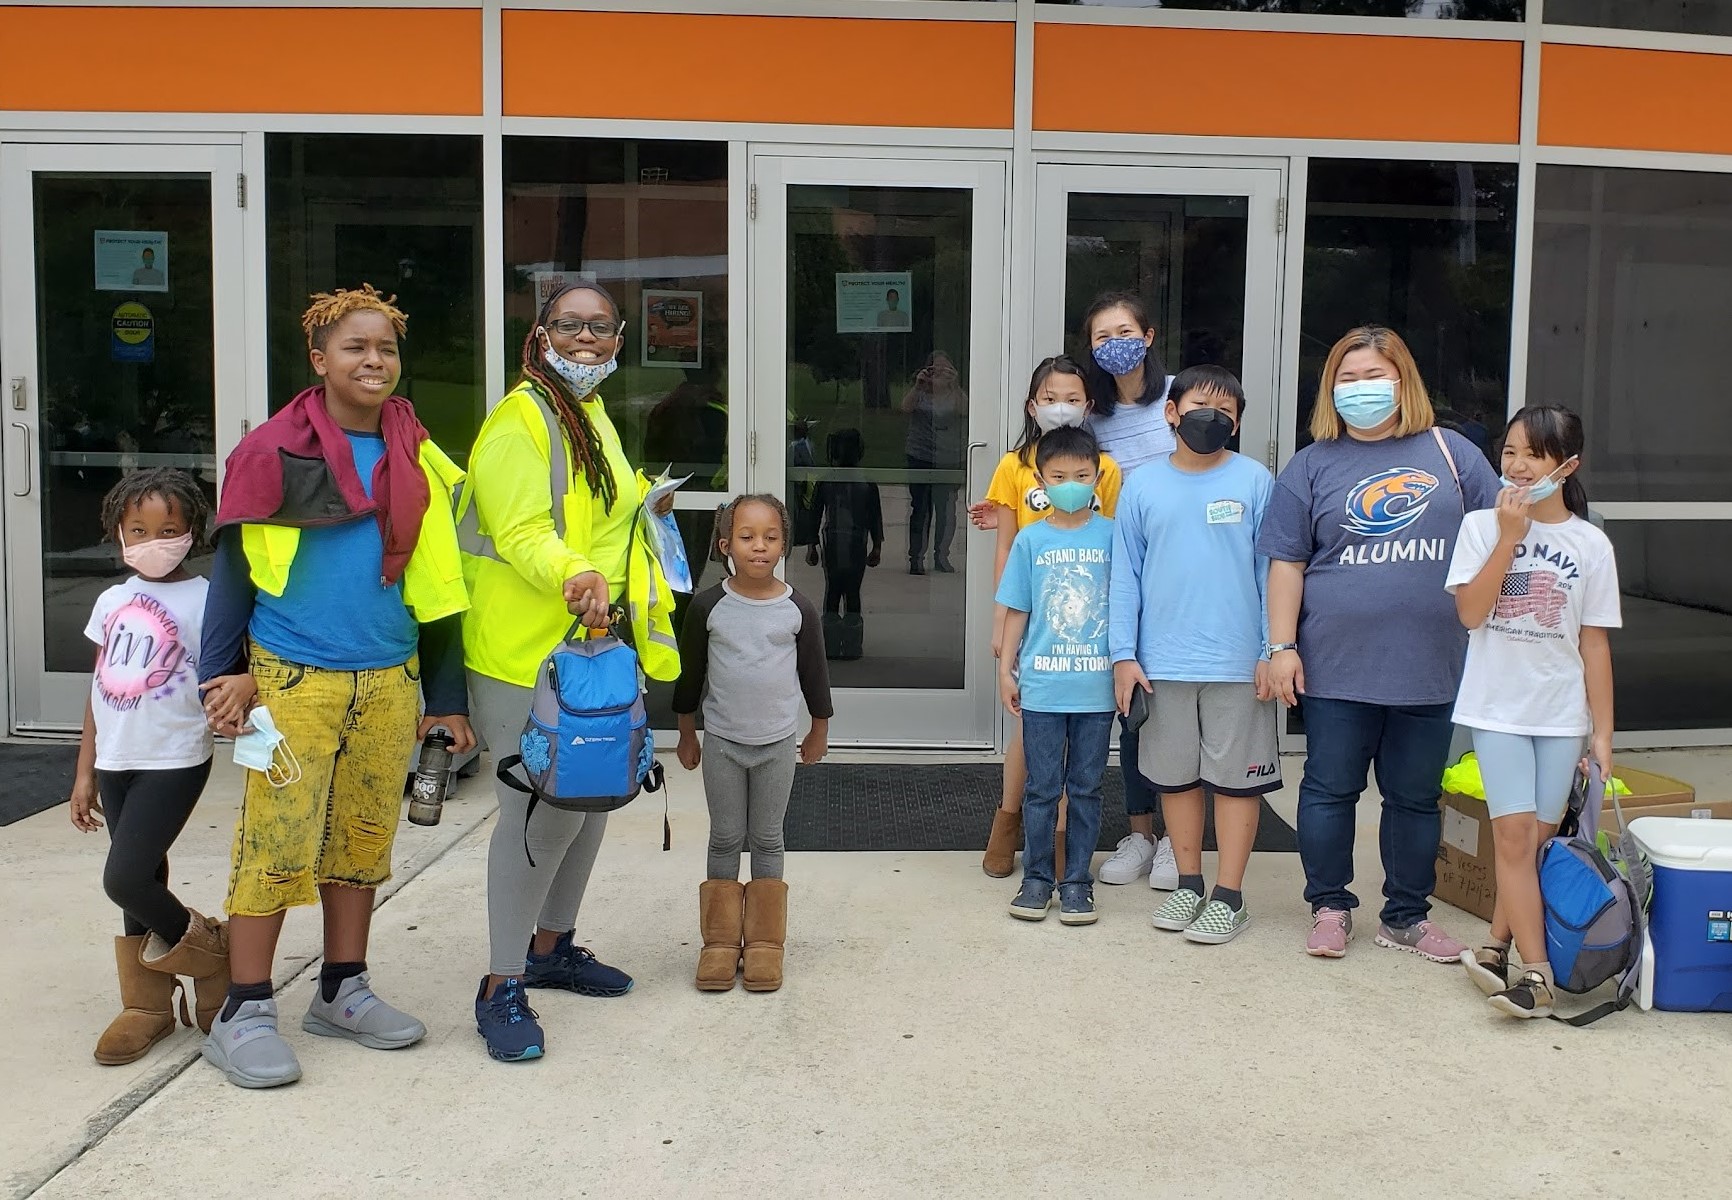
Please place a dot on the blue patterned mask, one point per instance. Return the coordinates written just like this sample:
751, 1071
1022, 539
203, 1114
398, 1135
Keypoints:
584, 378
1121, 355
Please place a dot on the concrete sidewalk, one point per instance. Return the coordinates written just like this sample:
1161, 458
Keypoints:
924, 1044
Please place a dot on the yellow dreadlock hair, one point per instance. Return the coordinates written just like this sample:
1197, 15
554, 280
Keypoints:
327, 308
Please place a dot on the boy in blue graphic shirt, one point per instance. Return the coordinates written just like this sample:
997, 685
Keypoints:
1189, 614
1055, 673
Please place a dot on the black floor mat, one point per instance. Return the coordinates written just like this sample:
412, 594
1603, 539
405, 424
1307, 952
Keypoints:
891, 806
37, 776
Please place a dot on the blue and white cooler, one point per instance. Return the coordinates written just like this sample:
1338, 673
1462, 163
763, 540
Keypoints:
1687, 962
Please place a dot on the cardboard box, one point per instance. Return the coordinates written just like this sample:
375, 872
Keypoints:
1466, 871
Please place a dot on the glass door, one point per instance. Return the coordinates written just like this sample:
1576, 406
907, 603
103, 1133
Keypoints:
1199, 245
878, 397
121, 325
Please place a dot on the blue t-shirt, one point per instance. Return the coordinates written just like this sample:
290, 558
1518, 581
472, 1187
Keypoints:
1375, 523
1134, 434
1188, 583
334, 613
1061, 578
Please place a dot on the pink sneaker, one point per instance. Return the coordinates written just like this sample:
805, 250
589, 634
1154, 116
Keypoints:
1331, 930
1424, 939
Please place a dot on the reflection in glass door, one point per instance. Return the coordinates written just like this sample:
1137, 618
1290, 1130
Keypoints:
877, 392
1199, 246
123, 324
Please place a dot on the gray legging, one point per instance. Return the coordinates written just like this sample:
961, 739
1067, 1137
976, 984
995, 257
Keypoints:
564, 844
747, 789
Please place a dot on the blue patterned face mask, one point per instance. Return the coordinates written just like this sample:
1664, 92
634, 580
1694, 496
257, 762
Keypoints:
583, 378
1121, 355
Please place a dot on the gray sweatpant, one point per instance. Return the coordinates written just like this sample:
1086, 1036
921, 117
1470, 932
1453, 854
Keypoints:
747, 789
564, 844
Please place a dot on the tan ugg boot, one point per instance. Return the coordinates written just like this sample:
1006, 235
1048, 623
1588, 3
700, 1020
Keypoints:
146, 1008
766, 933
1002, 844
720, 915
202, 955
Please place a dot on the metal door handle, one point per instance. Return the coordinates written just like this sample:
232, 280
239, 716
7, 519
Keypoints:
968, 473
24, 440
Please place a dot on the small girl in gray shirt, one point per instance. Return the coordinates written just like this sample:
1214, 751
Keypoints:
750, 649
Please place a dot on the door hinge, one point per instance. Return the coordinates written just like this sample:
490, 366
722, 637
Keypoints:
752, 203
752, 448
1281, 215
1274, 452
240, 191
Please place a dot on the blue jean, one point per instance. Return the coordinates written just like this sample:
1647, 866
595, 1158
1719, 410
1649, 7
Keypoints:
1141, 799
1409, 747
1066, 755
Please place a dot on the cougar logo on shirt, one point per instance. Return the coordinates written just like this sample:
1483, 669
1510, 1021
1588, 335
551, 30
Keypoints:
1389, 501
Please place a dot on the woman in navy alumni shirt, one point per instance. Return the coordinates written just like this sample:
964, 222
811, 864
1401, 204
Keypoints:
1360, 531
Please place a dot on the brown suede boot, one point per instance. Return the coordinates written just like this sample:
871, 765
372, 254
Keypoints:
721, 904
1002, 844
766, 933
202, 955
146, 1008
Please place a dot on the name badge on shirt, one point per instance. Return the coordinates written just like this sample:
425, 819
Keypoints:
1225, 512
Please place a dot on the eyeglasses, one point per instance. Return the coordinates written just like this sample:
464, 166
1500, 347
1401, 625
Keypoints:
571, 327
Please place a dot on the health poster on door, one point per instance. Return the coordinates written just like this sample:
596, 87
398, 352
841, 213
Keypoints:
131, 260
673, 328
874, 302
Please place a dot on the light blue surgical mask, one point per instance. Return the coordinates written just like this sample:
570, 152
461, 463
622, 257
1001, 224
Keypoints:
1365, 403
1121, 355
1071, 496
1536, 491
263, 749
583, 378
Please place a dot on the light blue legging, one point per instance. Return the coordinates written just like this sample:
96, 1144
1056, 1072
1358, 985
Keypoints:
1524, 774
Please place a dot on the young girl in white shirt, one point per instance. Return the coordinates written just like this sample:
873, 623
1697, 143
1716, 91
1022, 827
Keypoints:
1537, 587
145, 756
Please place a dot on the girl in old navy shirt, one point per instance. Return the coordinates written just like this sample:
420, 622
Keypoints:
145, 756
1359, 533
1537, 586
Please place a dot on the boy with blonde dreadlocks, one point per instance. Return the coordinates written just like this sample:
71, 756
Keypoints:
335, 599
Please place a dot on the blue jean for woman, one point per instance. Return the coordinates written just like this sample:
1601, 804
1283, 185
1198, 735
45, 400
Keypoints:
1067, 756
1409, 747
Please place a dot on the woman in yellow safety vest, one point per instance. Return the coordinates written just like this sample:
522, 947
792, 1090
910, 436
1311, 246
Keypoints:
548, 523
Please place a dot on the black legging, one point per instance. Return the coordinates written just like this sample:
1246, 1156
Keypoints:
145, 812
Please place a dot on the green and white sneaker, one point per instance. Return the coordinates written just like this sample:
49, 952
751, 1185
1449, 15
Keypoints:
1181, 908
1217, 923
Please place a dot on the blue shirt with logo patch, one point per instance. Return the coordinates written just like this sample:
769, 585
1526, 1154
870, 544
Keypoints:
1375, 523
1061, 579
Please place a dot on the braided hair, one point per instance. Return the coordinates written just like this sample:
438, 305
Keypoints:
172, 486
580, 434
327, 308
724, 527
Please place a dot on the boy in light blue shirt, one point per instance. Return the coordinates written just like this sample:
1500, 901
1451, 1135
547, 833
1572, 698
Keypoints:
1189, 612
1055, 673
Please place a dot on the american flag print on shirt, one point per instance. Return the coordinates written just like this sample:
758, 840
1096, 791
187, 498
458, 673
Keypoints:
1532, 593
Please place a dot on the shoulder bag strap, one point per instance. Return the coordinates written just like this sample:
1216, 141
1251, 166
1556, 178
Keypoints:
1450, 459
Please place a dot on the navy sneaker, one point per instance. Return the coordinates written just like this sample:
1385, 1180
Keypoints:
574, 969
1076, 904
1032, 901
507, 1023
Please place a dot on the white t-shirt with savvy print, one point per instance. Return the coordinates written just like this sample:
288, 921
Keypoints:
1524, 665
144, 693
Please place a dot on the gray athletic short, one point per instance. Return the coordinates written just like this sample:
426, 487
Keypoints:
1214, 733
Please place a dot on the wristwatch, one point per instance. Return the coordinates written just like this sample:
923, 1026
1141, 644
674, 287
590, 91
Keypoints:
1270, 651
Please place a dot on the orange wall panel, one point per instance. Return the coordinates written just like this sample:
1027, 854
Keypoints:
787, 70
242, 60
1257, 84
1635, 99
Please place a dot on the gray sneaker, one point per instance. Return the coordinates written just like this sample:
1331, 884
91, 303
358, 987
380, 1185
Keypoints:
249, 1050
1217, 923
359, 1015
1181, 908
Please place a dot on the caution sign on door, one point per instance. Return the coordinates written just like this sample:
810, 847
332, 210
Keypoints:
134, 334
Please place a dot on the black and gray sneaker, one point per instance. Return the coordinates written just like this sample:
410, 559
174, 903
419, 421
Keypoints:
1529, 996
1488, 967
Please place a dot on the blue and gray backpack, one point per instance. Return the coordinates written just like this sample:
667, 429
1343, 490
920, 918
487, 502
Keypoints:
1594, 888
587, 746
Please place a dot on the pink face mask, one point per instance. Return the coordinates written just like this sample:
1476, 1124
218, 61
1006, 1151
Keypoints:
157, 558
